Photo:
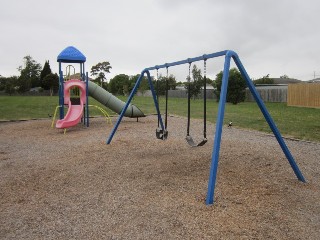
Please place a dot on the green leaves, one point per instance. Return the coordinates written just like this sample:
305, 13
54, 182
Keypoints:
160, 84
119, 85
51, 82
45, 71
236, 86
99, 70
195, 82
29, 74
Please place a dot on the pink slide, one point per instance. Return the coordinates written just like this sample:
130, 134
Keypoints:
75, 112
72, 117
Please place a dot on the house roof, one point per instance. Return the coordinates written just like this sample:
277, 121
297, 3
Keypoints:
316, 80
285, 80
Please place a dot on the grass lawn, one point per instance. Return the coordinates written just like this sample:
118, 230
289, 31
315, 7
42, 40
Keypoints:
298, 122
30, 107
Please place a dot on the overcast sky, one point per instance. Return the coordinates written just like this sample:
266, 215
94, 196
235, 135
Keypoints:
273, 37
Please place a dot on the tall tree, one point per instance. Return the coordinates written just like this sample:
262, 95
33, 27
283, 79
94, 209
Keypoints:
236, 86
119, 84
195, 82
10, 84
51, 82
144, 85
161, 84
2, 83
45, 71
29, 74
100, 70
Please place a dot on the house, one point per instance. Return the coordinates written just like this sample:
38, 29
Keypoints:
182, 92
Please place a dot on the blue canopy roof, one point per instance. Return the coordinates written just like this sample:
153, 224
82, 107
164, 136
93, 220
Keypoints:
71, 55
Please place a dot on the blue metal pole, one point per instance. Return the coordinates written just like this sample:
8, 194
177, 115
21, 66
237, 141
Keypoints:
61, 92
87, 99
269, 119
82, 78
219, 124
81, 72
124, 109
195, 59
155, 99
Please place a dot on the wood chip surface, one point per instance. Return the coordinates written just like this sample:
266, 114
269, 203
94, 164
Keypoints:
75, 186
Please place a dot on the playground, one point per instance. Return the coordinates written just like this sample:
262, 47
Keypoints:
71, 182
74, 186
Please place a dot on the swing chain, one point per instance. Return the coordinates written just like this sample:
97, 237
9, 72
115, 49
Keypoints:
166, 107
189, 76
157, 93
161, 133
188, 137
157, 74
205, 100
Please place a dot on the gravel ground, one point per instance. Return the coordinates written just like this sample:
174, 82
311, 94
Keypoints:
74, 186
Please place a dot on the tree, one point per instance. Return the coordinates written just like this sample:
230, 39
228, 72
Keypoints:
45, 71
51, 82
161, 84
144, 85
284, 76
195, 82
119, 84
99, 70
29, 74
10, 84
209, 81
2, 83
264, 80
236, 86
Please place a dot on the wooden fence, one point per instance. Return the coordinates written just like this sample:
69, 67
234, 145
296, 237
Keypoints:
304, 95
269, 93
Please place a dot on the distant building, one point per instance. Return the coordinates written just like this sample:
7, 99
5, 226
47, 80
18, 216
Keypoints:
182, 92
282, 81
316, 80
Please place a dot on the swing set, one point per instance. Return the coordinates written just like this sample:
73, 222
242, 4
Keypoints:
162, 133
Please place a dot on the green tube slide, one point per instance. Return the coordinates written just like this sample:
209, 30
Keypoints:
112, 102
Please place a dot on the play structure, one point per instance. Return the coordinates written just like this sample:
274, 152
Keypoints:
80, 89
162, 133
77, 104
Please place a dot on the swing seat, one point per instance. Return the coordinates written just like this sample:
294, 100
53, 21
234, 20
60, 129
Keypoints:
161, 134
203, 142
193, 144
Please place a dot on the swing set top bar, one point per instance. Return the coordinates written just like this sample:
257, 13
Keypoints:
191, 60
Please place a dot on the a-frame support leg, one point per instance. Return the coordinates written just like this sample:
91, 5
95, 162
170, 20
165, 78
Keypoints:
217, 137
124, 109
219, 124
269, 120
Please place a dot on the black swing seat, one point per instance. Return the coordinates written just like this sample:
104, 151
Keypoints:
161, 134
193, 144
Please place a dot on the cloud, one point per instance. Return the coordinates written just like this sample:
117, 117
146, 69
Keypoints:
275, 37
